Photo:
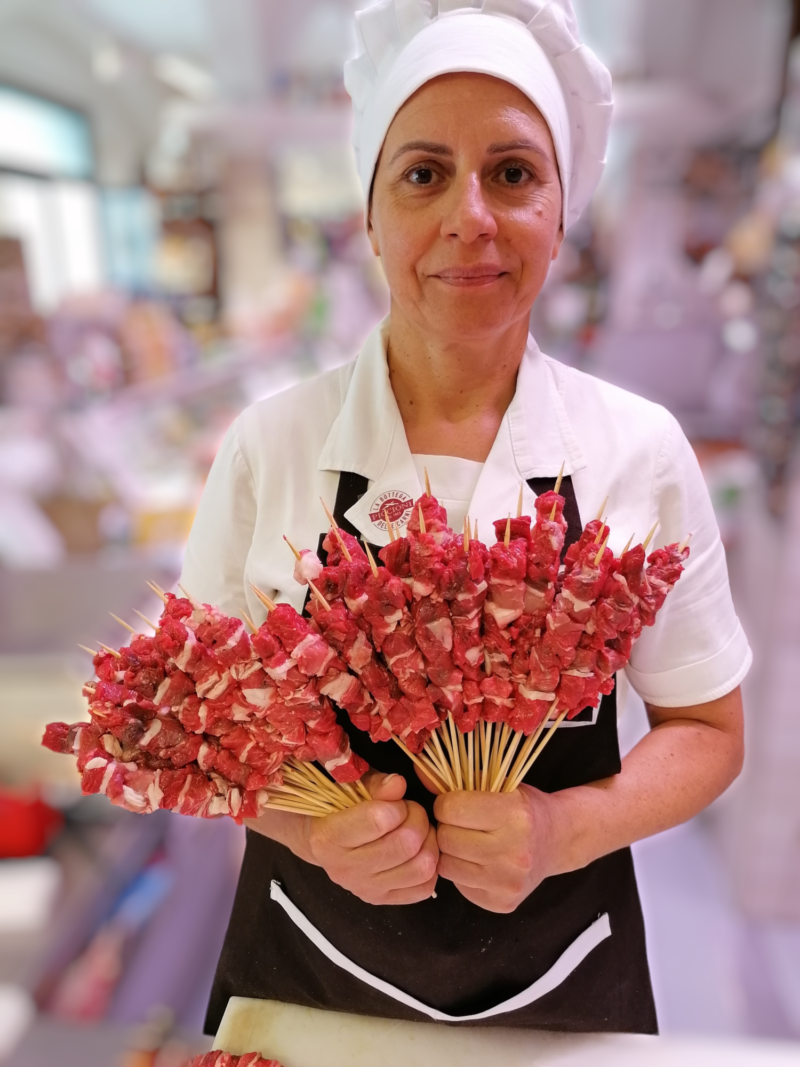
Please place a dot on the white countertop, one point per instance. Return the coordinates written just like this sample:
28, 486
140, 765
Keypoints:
306, 1037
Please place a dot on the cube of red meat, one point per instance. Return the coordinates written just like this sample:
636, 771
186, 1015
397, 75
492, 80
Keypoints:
59, 737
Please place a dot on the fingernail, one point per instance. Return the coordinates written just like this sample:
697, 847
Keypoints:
390, 778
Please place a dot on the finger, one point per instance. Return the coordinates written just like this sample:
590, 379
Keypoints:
465, 873
396, 847
361, 825
385, 786
476, 810
475, 846
414, 895
414, 872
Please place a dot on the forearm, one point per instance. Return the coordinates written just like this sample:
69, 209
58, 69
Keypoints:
676, 771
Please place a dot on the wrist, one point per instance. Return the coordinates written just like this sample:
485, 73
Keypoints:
291, 831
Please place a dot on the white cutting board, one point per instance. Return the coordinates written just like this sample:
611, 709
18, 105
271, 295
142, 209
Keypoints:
306, 1037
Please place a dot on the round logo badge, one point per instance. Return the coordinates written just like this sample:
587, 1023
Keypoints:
393, 503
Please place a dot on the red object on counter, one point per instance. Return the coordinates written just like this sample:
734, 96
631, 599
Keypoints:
27, 825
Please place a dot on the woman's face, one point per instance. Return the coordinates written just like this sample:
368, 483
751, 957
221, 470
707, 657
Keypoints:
466, 207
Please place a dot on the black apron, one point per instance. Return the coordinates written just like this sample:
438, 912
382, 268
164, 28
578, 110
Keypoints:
448, 953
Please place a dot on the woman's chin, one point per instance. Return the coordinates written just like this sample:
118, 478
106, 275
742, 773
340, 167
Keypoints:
458, 321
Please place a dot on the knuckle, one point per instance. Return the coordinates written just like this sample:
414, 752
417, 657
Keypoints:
408, 842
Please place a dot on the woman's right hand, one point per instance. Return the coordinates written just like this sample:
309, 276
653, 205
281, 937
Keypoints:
384, 850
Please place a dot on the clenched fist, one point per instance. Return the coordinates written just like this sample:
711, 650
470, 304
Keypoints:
384, 850
496, 847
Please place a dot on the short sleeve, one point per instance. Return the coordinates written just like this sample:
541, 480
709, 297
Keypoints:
222, 532
697, 651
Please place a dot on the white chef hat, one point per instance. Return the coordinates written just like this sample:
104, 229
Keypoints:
533, 44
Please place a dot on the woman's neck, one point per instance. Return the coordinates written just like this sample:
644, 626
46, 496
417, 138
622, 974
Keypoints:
453, 396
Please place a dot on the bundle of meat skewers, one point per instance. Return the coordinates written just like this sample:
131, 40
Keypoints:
227, 1059
471, 657
467, 657
204, 719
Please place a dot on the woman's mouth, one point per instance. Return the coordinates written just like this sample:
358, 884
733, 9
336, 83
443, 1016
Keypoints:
470, 277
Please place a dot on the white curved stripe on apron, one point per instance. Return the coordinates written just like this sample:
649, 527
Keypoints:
567, 962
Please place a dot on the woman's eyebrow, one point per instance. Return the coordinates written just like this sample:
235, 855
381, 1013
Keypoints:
430, 147
516, 146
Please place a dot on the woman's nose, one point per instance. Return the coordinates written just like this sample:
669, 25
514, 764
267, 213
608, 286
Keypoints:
468, 214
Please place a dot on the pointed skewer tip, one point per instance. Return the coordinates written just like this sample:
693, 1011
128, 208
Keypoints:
159, 592
560, 478
111, 651
427, 482
250, 623
270, 605
91, 651
297, 555
507, 538
422, 529
602, 509
519, 502
373, 565
116, 618
650, 536
685, 543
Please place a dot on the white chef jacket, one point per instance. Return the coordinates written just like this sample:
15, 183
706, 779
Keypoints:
285, 453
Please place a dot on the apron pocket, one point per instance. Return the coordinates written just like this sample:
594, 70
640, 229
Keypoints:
567, 962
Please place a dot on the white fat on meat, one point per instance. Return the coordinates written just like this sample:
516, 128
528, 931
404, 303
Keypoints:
502, 616
155, 794
112, 746
442, 632
181, 661
278, 674
218, 806
133, 800
310, 641
534, 694
205, 756
339, 686
356, 605
96, 763
307, 568
235, 800
421, 589
161, 692
578, 605
360, 653
260, 698
183, 792
217, 688
474, 655
245, 752
153, 730
242, 671
107, 777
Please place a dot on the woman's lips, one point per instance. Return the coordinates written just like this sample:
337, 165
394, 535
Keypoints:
470, 277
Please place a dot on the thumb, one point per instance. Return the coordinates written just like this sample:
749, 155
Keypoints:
385, 786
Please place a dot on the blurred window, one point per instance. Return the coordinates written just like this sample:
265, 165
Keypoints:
42, 137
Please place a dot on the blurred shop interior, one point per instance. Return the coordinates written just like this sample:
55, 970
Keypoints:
181, 234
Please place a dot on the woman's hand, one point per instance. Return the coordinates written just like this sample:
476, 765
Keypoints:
497, 847
384, 850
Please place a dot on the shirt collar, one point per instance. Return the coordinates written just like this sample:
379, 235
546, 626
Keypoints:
368, 438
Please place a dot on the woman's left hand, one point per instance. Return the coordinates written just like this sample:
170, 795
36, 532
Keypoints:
497, 847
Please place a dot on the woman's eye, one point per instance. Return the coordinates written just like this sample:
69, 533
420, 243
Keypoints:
514, 175
421, 176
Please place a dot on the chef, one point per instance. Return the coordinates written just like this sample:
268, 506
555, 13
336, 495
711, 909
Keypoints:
480, 134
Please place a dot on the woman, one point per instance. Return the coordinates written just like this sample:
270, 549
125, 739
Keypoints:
480, 135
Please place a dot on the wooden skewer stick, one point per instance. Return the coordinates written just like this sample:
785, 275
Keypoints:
158, 591
685, 543
502, 771
371, 558
144, 618
270, 605
537, 752
422, 529
336, 533
600, 552
599, 535
507, 538
425, 767
297, 555
91, 651
462, 752
90, 688
116, 618
650, 537
324, 603
389, 527
599, 515
471, 760
630, 542
519, 502
525, 751
475, 533
111, 651
466, 534
189, 597
441, 760
487, 750
427, 482
362, 789
250, 623
454, 742
557, 488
